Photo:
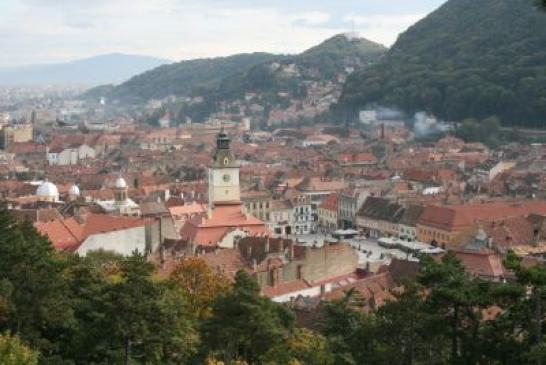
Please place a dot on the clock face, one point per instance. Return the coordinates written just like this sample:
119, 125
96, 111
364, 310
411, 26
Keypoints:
227, 177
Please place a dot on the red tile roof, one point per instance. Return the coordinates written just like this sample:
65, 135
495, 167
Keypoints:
330, 202
205, 231
69, 234
482, 263
456, 218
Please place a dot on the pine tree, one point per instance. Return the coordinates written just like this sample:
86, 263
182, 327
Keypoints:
244, 325
31, 272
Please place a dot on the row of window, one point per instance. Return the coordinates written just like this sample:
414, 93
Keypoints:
256, 205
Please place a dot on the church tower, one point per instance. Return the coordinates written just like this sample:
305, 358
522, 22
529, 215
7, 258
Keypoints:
120, 190
223, 174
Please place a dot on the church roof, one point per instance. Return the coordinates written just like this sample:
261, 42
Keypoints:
69, 234
205, 231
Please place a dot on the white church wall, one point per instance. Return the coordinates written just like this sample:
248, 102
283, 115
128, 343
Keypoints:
124, 242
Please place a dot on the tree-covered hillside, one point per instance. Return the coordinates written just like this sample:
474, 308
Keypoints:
180, 78
231, 77
323, 62
467, 59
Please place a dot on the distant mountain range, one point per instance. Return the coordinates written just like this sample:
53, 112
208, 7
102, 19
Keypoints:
468, 59
109, 68
225, 78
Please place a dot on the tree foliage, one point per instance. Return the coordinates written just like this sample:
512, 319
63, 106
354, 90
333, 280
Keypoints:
107, 309
200, 284
14, 352
244, 325
468, 59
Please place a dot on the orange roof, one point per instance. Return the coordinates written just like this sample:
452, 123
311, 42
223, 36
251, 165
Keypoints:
59, 234
188, 209
459, 217
285, 288
330, 202
205, 231
69, 234
482, 263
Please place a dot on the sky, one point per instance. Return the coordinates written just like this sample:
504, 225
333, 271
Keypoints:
47, 31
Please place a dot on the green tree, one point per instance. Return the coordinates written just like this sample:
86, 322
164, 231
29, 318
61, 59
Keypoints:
244, 325
35, 293
149, 322
460, 301
408, 332
14, 352
534, 280
303, 347
200, 284
348, 331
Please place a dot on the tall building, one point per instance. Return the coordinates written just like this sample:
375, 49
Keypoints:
17, 133
223, 174
226, 220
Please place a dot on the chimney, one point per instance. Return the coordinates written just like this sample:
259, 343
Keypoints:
536, 236
291, 251
300, 272
162, 254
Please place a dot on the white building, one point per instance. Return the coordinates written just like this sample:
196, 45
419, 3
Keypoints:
70, 155
47, 191
95, 232
122, 204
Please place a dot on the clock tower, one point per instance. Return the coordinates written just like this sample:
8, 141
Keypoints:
223, 174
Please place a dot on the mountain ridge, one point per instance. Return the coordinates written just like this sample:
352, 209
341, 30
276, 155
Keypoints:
242, 72
467, 59
95, 70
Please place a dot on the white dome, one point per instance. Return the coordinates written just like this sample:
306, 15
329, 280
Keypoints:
120, 183
47, 190
74, 190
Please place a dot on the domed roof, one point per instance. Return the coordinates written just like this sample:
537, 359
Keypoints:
74, 190
120, 183
47, 190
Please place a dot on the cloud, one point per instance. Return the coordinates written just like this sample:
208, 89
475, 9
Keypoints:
384, 28
312, 18
181, 29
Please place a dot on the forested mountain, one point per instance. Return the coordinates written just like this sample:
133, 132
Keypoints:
322, 63
467, 59
232, 77
180, 78
109, 68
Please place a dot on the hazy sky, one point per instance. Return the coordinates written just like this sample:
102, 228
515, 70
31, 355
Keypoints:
37, 31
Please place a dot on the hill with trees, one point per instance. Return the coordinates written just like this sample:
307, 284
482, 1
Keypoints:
467, 59
181, 78
226, 78
322, 63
